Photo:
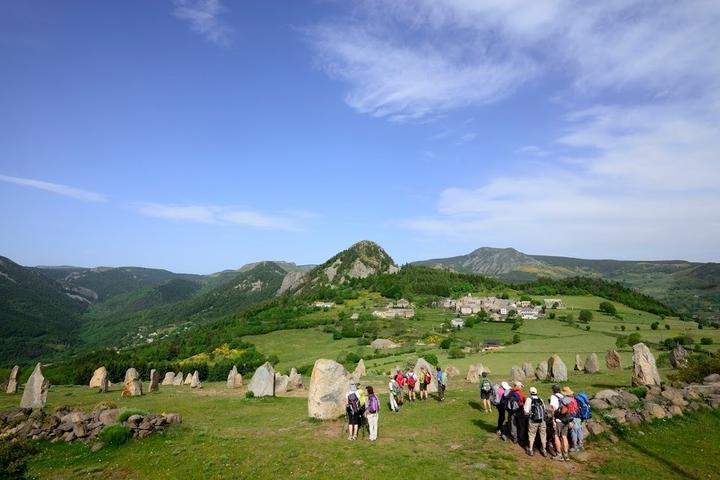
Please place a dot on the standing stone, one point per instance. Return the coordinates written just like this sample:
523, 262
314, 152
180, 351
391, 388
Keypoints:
645, 372
188, 379
360, 370
481, 368
541, 371
281, 384
169, 378
12, 383
195, 380
263, 380
421, 362
592, 364
679, 357
473, 376
132, 386
613, 360
557, 371
578, 363
99, 376
178, 379
36, 388
296, 380
234, 379
154, 381
452, 371
528, 369
329, 384
517, 374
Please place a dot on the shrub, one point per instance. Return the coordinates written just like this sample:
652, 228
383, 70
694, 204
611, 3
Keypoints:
14, 453
637, 328
516, 338
249, 394
115, 435
431, 358
552, 316
654, 325
585, 316
640, 392
129, 412
706, 341
608, 308
622, 327
699, 366
587, 328
445, 344
667, 327
337, 335
353, 357
363, 341
456, 352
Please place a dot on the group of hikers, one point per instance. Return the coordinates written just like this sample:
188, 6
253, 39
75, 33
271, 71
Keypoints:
364, 405
556, 427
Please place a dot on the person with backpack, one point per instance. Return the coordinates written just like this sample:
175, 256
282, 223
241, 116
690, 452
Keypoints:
499, 402
352, 408
425, 380
393, 392
411, 381
371, 413
535, 411
440, 383
564, 415
582, 414
514, 403
400, 380
486, 391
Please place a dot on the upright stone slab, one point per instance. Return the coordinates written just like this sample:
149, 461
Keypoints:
154, 381
578, 363
36, 388
421, 362
473, 375
592, 364
188, 379
517, 374
282, 382
557, 371
169, 378
195, 380
452, 371
329, 383
132, 387
12, 383
482, 368
178, 379
296, 380
234, 379
100, 376
541, 371
679, 357
360, 370
645, 372
528, 369
263, 380
613, 360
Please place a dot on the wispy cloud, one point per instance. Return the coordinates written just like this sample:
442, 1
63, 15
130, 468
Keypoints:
57, 188
204, 18
226, 215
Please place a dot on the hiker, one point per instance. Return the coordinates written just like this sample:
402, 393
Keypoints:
554, 409
583, 414
535, 411
500, 392
371, 413
352, 408
411, 381
441, 383
425, 380
400, 379
486, 391
565, 415
513, 405
392, 389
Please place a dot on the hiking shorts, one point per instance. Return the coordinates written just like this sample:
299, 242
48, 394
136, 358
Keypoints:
562, 429
355, 418
423, 387
485, 395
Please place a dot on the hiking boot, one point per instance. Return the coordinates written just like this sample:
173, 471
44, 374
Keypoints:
499, 433
529, 452
566, 456
543, 452
558, 457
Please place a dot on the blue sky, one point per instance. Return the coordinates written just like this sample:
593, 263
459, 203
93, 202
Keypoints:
202, 135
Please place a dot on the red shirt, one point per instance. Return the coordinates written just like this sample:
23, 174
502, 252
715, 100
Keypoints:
520, 395
400, 379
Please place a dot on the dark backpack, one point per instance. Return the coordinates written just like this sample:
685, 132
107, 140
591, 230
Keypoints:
537, 411
584, 412
486, 386
353, 403
511, 402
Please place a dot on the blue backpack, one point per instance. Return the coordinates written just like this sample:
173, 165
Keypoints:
583, 412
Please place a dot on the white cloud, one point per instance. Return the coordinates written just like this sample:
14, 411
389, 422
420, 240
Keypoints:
204, 18
226, 215
57, 188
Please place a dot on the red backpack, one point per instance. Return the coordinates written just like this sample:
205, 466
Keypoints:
411, 382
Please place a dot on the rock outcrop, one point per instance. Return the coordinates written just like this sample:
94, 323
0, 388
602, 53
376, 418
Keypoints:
154, 381
132, 387
234, 379
592, 364
329, 384
169, 378
613, 360
263, 380
679, 357
12, 382
382, 344
645, 372
36, 390
557, 371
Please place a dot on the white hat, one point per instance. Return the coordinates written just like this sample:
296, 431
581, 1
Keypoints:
518, 385
505, 385
533, 391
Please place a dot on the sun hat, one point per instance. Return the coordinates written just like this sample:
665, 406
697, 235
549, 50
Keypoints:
518, 385
566, 390
533, 391
505, 385
353, 387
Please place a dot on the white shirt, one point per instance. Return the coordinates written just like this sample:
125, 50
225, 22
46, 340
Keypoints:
528, 403
555, 402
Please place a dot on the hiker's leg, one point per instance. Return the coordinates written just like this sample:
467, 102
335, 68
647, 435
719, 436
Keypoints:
513, 426
532, 431
542, 428
501, 418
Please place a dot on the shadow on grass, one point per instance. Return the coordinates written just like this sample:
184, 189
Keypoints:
481, 422
660, 459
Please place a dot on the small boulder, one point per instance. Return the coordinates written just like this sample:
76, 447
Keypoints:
653, 411
619, 415
296, 380
679, 357
599, 404
234, 379
712, 378
613, 361
595, 428
36, 389
382, 344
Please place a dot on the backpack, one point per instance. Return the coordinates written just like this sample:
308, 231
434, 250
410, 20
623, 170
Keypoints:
584, 412
511, 402
373, 404
427, 379
353, 403
486, 386
497, 395
537, 411
564, 413
411, 382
